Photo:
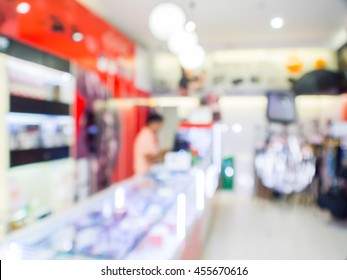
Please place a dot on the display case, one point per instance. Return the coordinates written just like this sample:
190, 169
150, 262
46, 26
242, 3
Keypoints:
39, 122
162, 215
122, 222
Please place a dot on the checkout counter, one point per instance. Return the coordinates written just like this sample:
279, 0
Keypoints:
164, 215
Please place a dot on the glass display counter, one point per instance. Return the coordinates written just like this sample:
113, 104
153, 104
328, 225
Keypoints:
164, 215
148, 217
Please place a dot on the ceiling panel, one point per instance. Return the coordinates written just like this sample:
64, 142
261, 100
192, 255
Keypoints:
235, 23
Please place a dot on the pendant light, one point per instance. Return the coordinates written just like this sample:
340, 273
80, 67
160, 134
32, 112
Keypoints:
192, 57
182, 40
166, 19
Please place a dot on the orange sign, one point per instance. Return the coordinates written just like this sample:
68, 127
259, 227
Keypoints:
294, 65
320, 64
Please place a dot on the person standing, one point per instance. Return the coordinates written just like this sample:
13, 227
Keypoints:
146, 147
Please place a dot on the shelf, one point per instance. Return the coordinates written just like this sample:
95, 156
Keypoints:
35, 106
23, 157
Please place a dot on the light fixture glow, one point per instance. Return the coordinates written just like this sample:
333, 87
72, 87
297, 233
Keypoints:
200, 190
212, 179
112, 67
182, 40
4, 43
66, 77
229, 172
180, 102
119, 198
107, 211
102, 63
237, 128
192, 58
77, 36
166, 19
277, 23
14, 252
190, 26
23, 8
217, 145
181, 216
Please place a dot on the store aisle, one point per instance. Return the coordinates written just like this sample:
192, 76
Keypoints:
249, 228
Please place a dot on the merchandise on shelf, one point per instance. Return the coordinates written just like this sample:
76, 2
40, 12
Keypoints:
285, 165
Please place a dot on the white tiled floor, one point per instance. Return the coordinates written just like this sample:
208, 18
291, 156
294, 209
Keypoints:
248, 228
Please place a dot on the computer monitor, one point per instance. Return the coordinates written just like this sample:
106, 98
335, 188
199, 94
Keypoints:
281, 107
181, 142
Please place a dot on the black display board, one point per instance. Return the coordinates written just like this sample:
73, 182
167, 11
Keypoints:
22, 157
22, 51
34, 106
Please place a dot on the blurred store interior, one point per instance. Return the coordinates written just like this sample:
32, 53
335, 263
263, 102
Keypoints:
244, 103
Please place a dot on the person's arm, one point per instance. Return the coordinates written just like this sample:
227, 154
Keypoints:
157, 157
153, 158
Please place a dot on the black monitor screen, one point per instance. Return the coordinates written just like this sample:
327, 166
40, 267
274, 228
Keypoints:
281, 107
181, 143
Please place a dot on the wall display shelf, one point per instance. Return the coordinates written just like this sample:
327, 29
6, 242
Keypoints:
34, 106
23, 157
36, 137
38, 132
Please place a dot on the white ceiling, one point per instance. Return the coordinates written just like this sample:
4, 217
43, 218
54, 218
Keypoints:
235, 23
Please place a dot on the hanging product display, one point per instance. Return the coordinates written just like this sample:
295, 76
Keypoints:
285, 165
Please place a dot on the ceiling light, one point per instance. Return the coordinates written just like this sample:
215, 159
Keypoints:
277, 23
112, 67
182, 40
166, 19
23, 8
4, 43
102, 63
192, 58
190, 26
77, 36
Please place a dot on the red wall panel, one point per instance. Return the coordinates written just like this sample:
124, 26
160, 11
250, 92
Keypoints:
49, 26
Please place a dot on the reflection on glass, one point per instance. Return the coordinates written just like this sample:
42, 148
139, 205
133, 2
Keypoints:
181, 216
200, 190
